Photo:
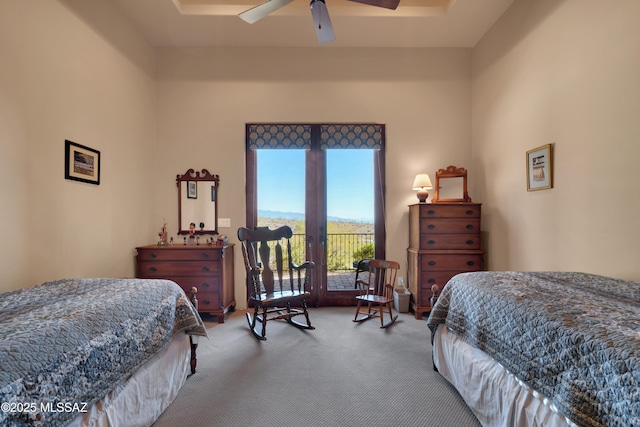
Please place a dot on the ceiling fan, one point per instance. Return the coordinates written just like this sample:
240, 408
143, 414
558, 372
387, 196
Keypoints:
319, 13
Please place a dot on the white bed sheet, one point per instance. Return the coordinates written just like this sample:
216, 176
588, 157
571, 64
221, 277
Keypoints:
496, 397
146, 394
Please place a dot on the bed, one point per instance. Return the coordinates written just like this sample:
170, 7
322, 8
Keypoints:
94, 352
541, 348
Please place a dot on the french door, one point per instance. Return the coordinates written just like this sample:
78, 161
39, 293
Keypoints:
327, 183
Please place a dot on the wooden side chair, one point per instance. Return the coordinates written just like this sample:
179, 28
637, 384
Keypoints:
279, 288
377, 292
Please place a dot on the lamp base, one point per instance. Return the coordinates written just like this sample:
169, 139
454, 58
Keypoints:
423, 195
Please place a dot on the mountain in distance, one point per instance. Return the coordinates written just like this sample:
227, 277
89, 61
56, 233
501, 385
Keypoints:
299, 216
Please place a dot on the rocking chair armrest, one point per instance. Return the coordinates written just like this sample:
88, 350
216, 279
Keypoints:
304, 265
362, 285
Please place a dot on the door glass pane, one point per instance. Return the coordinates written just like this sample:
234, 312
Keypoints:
281, 193
350, 214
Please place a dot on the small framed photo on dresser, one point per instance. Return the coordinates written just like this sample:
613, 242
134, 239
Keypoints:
540, 168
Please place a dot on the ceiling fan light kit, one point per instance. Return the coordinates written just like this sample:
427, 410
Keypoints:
322, 22
319, 13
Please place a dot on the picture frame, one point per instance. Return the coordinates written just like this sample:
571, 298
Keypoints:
540, 168
192, 189
81, 163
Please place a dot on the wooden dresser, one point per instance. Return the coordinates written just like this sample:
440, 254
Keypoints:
444, 240
208, 268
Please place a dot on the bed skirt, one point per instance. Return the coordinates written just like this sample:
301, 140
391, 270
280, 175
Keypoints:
140, 400
496, 397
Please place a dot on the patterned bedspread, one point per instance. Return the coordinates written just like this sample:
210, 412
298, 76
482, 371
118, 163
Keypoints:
66, 344
574, 337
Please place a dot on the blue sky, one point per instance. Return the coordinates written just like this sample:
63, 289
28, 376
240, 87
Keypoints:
281, 181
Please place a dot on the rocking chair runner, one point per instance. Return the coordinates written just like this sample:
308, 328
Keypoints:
377, 292
274, 297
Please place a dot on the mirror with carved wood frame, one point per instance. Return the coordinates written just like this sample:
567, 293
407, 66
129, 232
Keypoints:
198, 202
451, 186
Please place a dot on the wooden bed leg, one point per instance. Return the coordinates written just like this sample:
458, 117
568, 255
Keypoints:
193, 339
194, 358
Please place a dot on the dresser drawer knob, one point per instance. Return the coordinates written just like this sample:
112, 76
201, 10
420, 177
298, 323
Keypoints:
470, 242
430, 281
431, 242
431, 212
470, 263
152, 255
206, 302
469, 226
153, 269
431, 226
205, 255
431, 263
205, 268
470, 212
205, 285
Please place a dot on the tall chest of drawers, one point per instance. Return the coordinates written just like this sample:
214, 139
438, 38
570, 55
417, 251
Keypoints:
208, 268
444, 240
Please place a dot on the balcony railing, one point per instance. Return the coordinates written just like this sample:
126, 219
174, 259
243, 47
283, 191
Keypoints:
340, 256
341, 248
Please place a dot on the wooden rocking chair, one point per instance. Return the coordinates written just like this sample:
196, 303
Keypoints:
282, 296
377, 292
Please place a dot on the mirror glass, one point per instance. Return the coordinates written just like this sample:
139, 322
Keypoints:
197, 202
451, 185
451, 188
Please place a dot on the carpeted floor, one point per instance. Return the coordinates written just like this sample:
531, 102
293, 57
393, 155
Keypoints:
340, 374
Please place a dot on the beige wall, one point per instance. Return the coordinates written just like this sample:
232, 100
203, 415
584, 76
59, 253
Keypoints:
205, 97
566, 73
77, 72
561, 72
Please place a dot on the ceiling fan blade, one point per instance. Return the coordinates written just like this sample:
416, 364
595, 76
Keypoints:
387, 4
258, 12
322, 22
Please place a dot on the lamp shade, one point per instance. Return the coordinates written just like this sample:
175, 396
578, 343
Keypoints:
422, 182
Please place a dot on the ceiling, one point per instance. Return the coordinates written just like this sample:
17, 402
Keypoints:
415, 23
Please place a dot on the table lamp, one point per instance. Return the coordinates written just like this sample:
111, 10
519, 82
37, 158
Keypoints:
422, 183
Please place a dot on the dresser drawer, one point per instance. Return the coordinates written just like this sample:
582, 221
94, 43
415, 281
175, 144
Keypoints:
208, 301
435, 210
449, 225
466, 262
179, 254
151, 269
202, 283
428, 279
434, 241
